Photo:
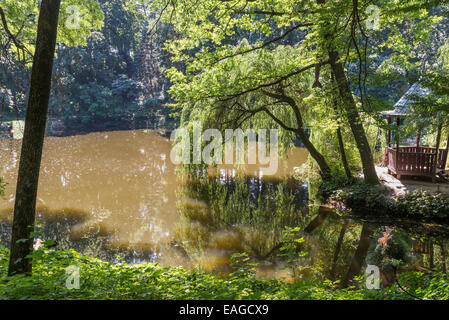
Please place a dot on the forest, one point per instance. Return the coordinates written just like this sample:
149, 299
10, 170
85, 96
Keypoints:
224, 149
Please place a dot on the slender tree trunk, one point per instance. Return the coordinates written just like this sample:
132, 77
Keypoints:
447, 154
338, 248
33, 139
360, 254
352, 114
431, 256
344, 160
354, 120
341, 145
443, 257
316, 222
437, 147
325, 170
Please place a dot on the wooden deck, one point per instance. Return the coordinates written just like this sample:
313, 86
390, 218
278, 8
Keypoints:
415, 161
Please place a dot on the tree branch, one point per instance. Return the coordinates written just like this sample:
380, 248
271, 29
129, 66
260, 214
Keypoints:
8, 32
265, 44
266, 85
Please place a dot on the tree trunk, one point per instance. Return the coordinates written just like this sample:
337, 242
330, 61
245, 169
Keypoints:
352, 114
344, 160
437, 147
360, 254
354, 120
338, 248
431, 256
447, 154
341, 145
33, 139
325, 171
317, 222
443, 258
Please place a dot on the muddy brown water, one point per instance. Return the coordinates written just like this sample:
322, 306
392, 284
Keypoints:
117, 194
118, 186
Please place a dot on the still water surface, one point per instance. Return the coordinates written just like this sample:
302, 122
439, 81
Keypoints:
117, 193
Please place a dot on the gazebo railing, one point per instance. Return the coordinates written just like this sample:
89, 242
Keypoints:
415, 160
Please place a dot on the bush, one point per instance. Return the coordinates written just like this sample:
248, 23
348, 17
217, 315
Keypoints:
362, 196
423, 204
327, 188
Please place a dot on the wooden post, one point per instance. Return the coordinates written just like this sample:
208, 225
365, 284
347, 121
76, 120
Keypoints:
435, 165
397, 132
447, 153
397, 147
385, 162
389, 132
418, 138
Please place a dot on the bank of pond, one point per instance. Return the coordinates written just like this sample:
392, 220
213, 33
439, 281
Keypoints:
113, 204
105, 280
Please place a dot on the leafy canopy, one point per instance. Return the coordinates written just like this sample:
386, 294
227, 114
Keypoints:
22, 17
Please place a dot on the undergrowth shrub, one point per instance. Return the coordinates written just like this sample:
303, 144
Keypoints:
423, 204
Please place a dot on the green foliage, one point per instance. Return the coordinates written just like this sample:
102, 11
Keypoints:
242, 266
114, 80
290, 251
103, 280
423, 204
256, 218
393, 251
22, 21
363, 196
426, 287
231, 63
106, 72
2, 187
327, 188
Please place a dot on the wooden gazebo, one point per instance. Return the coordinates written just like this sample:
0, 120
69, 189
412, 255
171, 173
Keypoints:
412, 160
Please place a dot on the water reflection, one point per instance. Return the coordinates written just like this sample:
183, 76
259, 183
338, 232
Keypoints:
342, 247
117, 193
237, 215
116, 190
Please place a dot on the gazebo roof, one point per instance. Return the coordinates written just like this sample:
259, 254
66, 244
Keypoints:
402, 107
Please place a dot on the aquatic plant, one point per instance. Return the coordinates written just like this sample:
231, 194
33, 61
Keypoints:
253, 213
291, 251
2, 187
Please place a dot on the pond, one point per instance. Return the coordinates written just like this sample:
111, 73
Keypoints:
116, 195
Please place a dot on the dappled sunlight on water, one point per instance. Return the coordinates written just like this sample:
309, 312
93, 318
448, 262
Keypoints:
118, 194
122, 183
119, 187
